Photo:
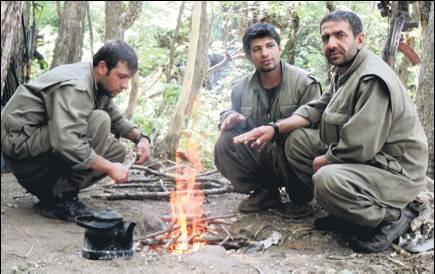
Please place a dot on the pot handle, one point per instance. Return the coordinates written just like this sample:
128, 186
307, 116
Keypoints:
83, 221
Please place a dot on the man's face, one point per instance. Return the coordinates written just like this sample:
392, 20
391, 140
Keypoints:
265, 54
339, 44
113, 82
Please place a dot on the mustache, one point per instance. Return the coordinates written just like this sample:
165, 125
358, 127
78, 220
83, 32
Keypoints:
333, 51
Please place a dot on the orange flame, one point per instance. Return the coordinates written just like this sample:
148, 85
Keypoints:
186, 203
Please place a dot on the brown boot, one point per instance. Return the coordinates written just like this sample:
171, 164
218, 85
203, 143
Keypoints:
261, 199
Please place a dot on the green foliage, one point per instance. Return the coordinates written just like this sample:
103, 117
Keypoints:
46, 13
152, 35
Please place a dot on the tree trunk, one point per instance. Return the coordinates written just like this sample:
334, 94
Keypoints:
173, 43
118, 19
195, 73
11, 13
425, 91
134, 94
291, 43
69, 42
424, 9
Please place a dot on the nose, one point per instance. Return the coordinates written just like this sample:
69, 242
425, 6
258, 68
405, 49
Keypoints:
124, 84
331, 43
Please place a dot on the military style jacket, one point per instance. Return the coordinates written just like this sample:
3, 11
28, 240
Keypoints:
50, 114
366, 116
249, 98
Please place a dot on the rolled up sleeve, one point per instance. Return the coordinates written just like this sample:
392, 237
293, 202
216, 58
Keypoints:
314, 109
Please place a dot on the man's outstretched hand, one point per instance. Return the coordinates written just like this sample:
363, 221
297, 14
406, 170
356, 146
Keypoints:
257, 138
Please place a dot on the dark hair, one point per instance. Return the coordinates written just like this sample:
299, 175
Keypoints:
114, 51
342, 15
259, 30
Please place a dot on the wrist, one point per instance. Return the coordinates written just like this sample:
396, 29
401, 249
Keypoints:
139, 137
275, 129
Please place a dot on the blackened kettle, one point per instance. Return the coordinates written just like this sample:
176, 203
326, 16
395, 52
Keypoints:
107, 236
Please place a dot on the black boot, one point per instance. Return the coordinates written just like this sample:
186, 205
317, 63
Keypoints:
341, 226
65, 209
384, 235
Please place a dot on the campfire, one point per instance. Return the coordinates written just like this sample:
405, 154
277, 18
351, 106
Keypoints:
188, 228
186, 205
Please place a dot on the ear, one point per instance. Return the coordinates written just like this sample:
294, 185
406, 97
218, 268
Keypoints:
360, 40
102, 67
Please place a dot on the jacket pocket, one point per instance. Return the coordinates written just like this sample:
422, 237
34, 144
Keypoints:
246, 111
389, 163
14, 139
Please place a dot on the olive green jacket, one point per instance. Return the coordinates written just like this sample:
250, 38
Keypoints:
249, 98
50, 114
366, 116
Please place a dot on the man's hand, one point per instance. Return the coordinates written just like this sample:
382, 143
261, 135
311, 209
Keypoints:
319, 161
232, 120
257, 138
143, 151
119, 173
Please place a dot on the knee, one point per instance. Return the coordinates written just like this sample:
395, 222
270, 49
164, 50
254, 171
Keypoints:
293, 143
99, 121
224, 142
325, 183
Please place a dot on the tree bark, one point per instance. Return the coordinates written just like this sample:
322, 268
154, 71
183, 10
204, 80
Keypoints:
425, 91
173, 43
134, 94
91, 32
195, 73
118, 19
11, 13
69, 42
291, 43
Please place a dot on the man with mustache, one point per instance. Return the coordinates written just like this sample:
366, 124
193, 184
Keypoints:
368, 159
56, 130
271, 93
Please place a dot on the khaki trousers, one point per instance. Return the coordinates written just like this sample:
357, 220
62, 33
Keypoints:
48, 175
248, 170
359, 193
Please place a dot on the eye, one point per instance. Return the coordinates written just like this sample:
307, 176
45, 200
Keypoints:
341, 35
325, 38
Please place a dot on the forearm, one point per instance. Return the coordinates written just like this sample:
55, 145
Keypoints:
292, 123
102, 165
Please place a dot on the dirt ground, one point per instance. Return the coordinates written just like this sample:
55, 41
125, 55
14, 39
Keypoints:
31, 243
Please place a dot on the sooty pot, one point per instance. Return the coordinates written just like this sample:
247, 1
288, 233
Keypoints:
107, 236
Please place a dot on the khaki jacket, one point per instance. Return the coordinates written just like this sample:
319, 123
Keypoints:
297, 87
50, 114
366, 116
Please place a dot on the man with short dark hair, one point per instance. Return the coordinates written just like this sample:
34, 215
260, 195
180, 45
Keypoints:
56, 130
368, 159
271, 93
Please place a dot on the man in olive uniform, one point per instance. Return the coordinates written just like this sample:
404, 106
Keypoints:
56, 130
368, 159
272, 92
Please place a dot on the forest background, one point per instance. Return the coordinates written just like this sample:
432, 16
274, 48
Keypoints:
191, 52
